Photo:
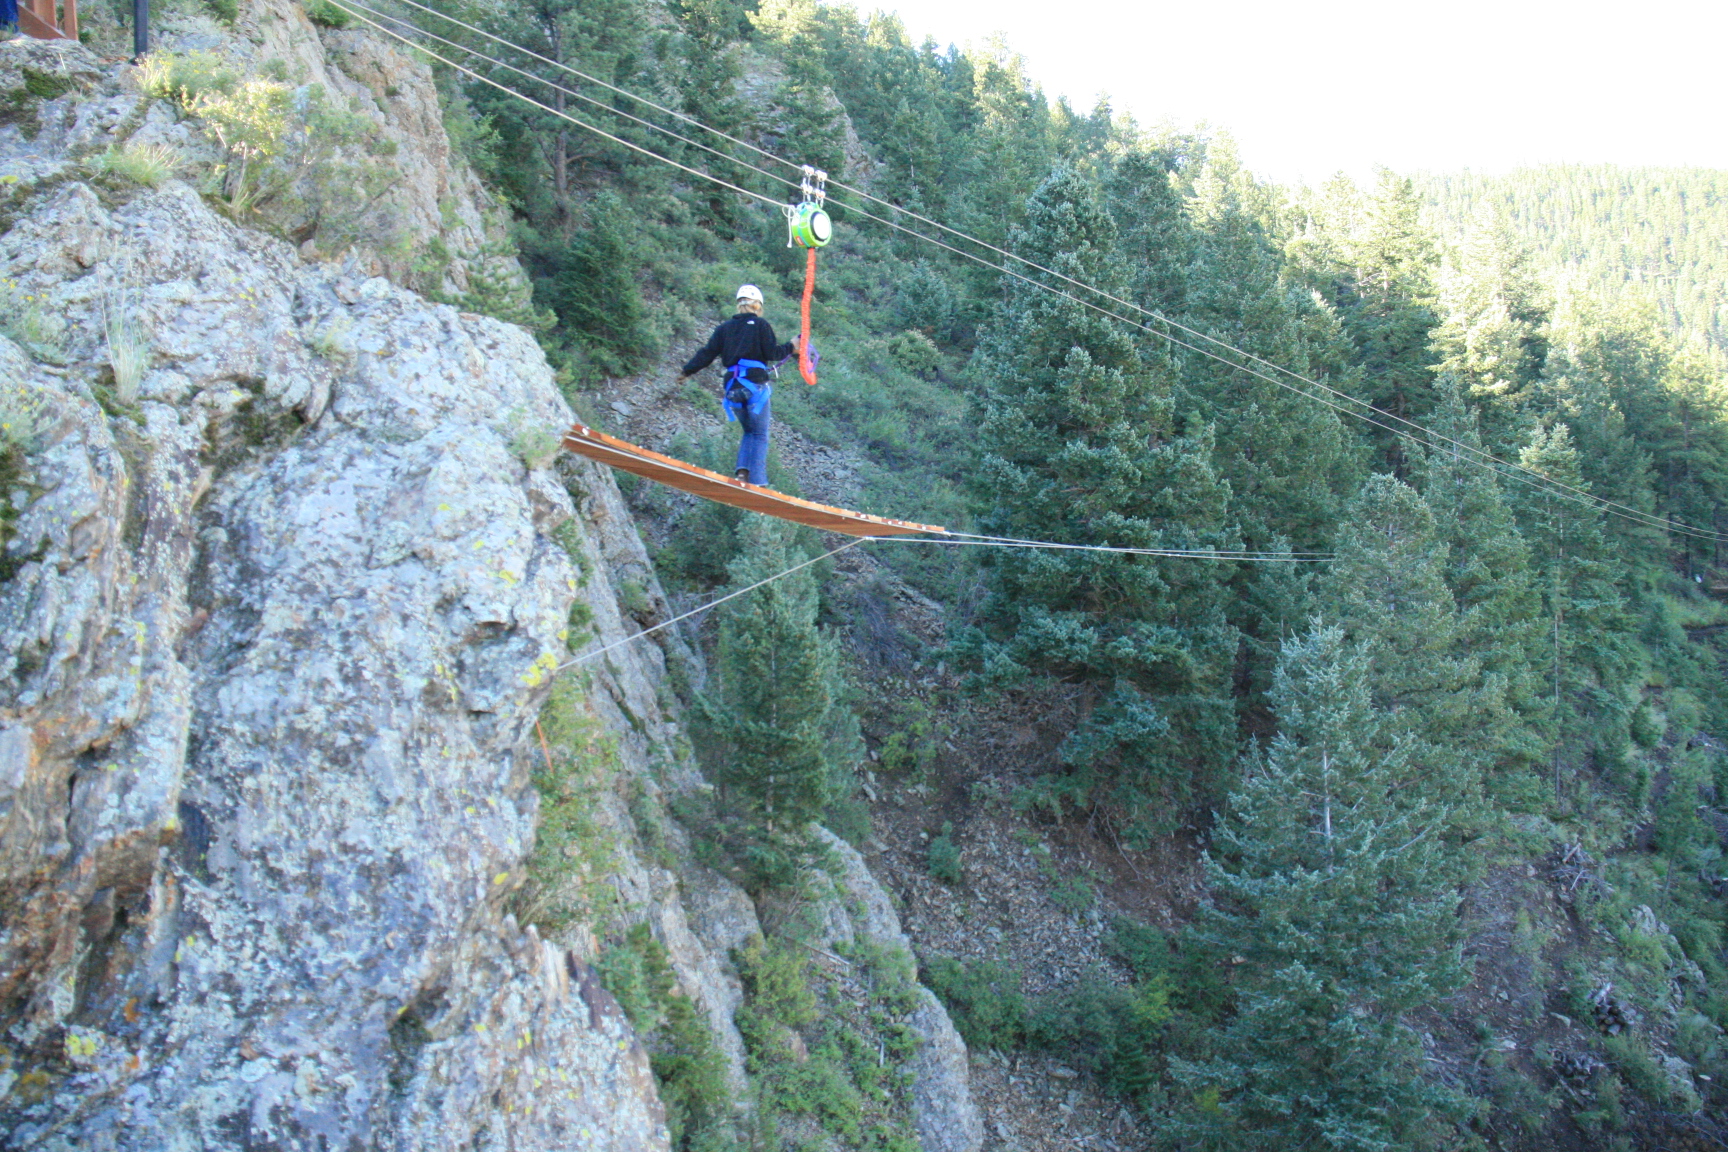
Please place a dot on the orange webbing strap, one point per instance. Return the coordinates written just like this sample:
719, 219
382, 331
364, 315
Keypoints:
805, 368
545, 750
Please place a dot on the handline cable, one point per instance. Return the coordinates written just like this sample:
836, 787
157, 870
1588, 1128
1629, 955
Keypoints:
587, 656
1477, 456
1001, 542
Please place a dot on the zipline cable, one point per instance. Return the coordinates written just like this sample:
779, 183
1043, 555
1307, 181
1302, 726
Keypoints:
547, 108
1251, 553
1478, 455
1411, 431
1173, 553
537, 78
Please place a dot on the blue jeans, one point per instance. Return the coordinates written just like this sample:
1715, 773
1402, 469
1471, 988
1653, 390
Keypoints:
753, 449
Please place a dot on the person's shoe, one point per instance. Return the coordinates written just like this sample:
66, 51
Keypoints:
742, 474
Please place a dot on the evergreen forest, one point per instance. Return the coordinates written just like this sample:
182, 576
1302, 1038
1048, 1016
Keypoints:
1417, 842
1659, 235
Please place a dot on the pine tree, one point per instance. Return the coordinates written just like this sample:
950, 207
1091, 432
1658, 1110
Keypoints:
705, 64
1389, 594
1372, 262
1289, 462
1079, 445
1691, 457
1589, 632
1276, 602
1011, 149
1156, 238
782, 739
1491, 574
1494, 339
1332, 907
593, 288
1601, 355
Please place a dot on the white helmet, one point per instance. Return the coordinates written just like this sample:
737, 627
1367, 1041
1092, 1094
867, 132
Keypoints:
750, 292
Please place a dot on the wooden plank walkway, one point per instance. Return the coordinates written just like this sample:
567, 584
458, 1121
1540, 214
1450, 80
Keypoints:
627, 457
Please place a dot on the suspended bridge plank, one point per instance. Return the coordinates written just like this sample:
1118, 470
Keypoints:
627, 457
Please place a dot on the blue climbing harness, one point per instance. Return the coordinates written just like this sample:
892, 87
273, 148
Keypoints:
737, 376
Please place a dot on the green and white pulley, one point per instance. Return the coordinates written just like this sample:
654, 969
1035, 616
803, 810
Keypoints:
807, 225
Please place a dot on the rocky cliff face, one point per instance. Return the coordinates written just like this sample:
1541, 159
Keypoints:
272, 641
277, 618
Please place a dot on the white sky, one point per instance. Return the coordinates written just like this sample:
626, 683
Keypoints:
1308, 89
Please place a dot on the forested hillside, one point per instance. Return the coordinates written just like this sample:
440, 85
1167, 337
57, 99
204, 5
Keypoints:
1415, 843
1659, 234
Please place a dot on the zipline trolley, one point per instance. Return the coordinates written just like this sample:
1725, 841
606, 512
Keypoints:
808, 227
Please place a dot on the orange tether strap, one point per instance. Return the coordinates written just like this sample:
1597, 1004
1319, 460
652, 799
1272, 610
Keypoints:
805, 368
541, 732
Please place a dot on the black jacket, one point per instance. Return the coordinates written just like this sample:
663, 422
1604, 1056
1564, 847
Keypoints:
744, 337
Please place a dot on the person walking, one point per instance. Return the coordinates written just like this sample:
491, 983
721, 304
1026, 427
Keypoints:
746, 347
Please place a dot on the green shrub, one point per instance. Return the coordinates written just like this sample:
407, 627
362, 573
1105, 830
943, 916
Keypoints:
819, 1053
924, 301
573, 853
590, 281
534, 444
1699, 1041
847, 815
1632, 1060
638, 973
185, 79
1073, 894
983, 998
1646, 728
1113, 1031
1145, 949
704, 539
915, 352
310, 168
914, 740
1609, 1113
1701, 939
777, 989
688, 1068
329, 15
943, 856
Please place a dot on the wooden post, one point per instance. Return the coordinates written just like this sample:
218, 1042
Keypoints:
38, 18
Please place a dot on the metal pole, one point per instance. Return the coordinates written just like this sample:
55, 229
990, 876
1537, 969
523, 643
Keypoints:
140, 28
